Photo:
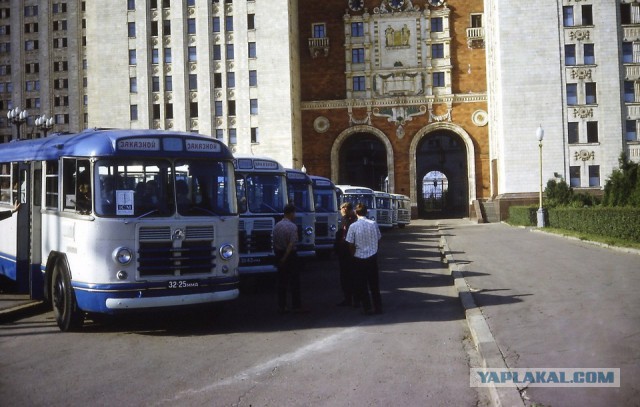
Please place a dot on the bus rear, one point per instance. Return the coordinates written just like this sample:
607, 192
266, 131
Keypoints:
404, 210
261, 193
327, 216
384, 209
300, 193
128, 220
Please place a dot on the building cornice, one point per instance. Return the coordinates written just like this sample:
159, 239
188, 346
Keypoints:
394, 101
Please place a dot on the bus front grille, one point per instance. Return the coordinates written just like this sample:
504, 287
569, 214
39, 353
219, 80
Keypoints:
258, 241
191, 251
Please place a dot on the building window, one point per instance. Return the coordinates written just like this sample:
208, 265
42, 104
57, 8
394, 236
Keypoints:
133, 112
154, 28
216, 24
587, 15
218, 108
156, 111
132, 57
193, 82
253, 78
167, 55
253, 106
570, 54
231, 107
437, 24
233, 138
590, 93
254, 134
572, 132
131, 4
625, 14
191, 25
251, 21
231, 79
217, 80
574, 176
631, 130
437, 51
359, 84
357, 56
220, 134
627, 52
193, 109
217, 53
438, 79
629, 92
168, 111
230, 53
357, 29
155, 56
592, 132
155, 84
131, 29
31, 45
168, 83
252, 50
228, 23
319, 31
589, 54
594, 175
166, 27
133, 85
166, 3
572, 94
193, 56
567, 16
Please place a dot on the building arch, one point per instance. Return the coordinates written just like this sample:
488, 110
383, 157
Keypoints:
359, 129
470, 154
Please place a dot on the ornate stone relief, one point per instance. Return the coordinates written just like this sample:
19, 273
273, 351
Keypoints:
480, 118
321, 124
583, 112
584, 155
581, 73
399, 115
353, 121
580, 35
399, 83
385, 7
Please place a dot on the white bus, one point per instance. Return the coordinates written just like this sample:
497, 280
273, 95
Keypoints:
261, 187
356, 195
384, 209
327, 216
300, 194
119, 220
402, 209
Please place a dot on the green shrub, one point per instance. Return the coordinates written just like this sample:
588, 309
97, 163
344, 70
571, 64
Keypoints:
522, 215
623, 185
623, 223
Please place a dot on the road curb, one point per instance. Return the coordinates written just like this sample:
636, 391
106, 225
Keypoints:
21, 311
483, 339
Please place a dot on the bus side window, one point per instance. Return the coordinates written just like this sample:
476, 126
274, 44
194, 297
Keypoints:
76, 185
51, 185
5, 183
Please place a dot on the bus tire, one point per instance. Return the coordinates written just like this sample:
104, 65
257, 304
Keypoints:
65, 309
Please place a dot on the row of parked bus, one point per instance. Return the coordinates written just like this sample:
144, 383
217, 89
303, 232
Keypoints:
114, 221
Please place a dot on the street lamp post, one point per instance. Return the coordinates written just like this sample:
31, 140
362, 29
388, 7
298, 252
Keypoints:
17, 117
540, 136
45, 124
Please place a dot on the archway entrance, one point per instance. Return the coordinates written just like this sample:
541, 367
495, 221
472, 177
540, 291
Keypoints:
441, 176
363, 162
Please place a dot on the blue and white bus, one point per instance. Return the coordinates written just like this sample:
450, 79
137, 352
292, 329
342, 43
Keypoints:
402, 210
327, 216
261, 187
119, 220
300, 193
384, 209
356, 195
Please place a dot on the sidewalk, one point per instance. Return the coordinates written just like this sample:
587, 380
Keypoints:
15, 306
537, 300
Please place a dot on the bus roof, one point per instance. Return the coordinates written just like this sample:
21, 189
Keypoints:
110, 142
382, 194
352, 189
256, 163
321, 182
294, 175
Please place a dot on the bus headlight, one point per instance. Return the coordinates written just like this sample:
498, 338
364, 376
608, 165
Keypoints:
333, 228
227, 251
122, 255
373, 218
308, 231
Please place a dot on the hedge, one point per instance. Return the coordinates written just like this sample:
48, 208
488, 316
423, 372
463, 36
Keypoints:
623, 223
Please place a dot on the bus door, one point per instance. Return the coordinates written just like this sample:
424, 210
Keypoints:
35, 251
23, 232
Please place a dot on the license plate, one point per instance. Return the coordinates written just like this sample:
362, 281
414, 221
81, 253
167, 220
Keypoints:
182, 284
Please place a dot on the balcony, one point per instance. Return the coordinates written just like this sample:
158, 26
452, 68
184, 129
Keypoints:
631, 33
631, 72
475, 37
319, 46
633, 112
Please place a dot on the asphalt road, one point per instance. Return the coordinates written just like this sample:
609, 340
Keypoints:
243, 353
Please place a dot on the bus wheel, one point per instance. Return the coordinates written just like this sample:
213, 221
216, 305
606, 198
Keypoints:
65, 309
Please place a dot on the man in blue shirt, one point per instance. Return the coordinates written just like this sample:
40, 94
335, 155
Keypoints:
363, 237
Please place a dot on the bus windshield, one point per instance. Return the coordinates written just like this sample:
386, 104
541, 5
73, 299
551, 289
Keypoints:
383, 203
300, 194
160, 188
366, 199
325, 200
260, 193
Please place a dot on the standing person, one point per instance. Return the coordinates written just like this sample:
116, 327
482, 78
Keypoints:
9, 213
363, 237
344, 255
285, 238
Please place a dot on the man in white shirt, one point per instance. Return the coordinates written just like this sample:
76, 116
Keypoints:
363, 237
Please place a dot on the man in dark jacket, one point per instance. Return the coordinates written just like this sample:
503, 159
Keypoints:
344, 255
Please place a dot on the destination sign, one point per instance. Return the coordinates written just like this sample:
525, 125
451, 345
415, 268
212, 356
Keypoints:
322, 183
139, 144
204, 146
265, 165
296, 176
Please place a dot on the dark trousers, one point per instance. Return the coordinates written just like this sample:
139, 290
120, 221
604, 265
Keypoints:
367, 281
345, 260
288, 278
